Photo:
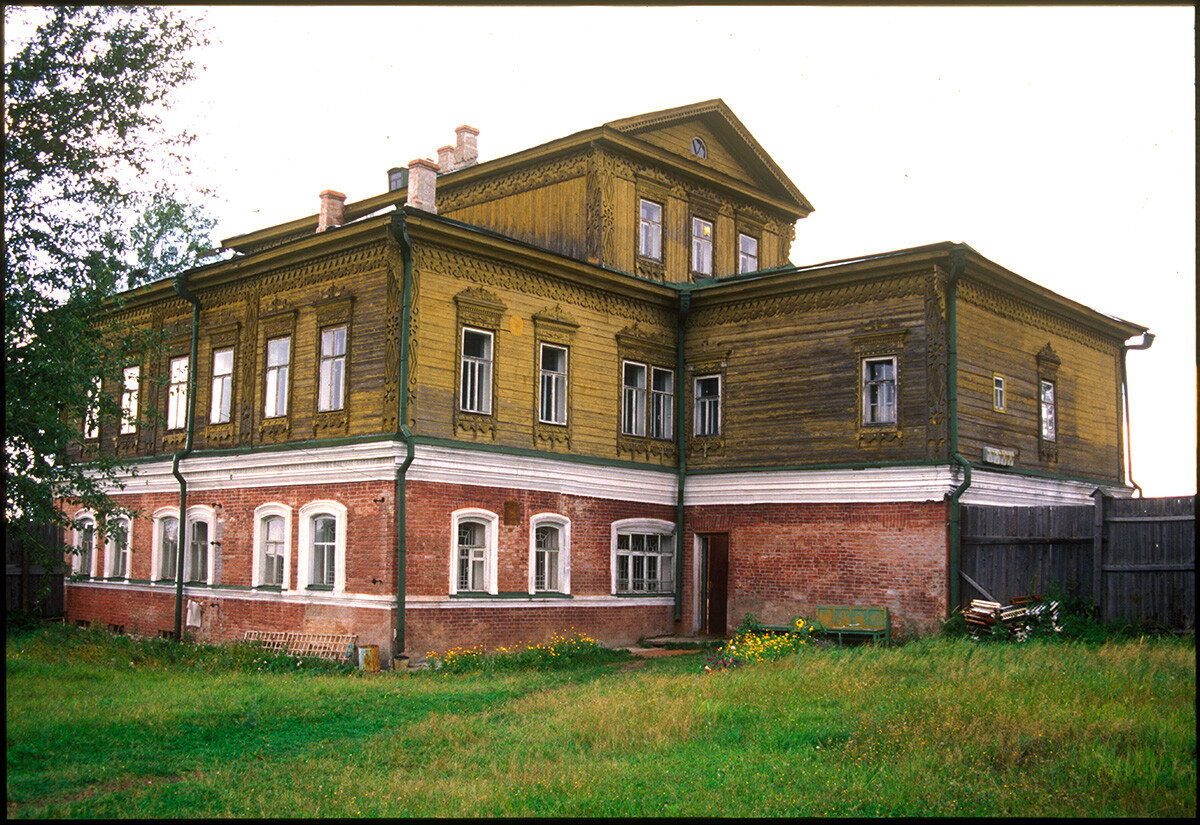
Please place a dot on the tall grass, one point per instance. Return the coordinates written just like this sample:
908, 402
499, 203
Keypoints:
937, 727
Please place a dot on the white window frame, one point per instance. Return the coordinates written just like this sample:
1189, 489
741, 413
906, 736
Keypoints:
160, 516
114, 551
275, 388
552, 386
81, 565
662, 405
563, 570
665, 530
633, 400
1047, 410
999, 393
261, 514
747, 258
491, 533
702, 246
707, 408
475, 374
177, 393
871, 418
132, 377
222, 388
650, 230
304, 545
200, 514
331, 394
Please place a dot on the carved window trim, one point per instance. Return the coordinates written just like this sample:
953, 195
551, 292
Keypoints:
478, 310
553, 327
276, 325
635, 346
219, 340
706, 365
876, 342
1048, 364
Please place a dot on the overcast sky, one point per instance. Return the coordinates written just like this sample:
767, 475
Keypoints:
1058, 142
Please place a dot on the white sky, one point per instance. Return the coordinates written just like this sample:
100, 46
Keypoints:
1058, 142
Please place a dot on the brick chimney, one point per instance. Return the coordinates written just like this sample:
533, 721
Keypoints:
332, 210
422, 184
466, 153
446, 159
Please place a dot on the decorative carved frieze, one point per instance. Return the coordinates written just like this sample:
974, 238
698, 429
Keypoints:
544, 173
936, 369
809, 300
1029, 314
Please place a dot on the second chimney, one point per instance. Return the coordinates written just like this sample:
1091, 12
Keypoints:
466, 153
332, 211
422, 184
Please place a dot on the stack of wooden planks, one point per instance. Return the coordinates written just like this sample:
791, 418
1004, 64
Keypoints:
1016, 618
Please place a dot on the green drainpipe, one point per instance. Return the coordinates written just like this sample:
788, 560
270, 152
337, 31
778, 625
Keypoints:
182, 290
957, 265
400, 232
685, 302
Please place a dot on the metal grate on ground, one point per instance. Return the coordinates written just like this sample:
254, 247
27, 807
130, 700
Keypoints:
322, 645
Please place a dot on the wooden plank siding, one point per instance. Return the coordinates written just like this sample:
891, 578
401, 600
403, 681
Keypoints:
999, 335
793, 378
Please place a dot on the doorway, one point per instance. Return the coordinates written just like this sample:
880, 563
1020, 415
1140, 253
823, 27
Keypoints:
714, 583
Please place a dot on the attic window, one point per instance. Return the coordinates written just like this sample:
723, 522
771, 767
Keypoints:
699, 149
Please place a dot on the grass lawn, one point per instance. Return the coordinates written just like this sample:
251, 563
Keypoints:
103, 727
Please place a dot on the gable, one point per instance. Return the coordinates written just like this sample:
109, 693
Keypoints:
730, 148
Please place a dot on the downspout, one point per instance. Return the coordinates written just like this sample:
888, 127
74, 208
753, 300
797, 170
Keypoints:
1147, 340
399, 227
181, 289
685, 303
954, 497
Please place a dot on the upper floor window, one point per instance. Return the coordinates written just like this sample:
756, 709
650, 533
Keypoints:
650, 230
279, 357
222, 386
1049, 411
331, 394
702, 246
553, 402
999, 399
474, 551
633, 399
91, 421
549, 566
747, 253
662, 403
129, 400
177, 395
272, 543
475, 392
879, 391
708, 405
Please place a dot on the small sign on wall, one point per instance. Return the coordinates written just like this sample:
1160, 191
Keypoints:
999, 455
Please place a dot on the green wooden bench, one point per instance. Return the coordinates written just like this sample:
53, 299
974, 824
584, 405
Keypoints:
846, 620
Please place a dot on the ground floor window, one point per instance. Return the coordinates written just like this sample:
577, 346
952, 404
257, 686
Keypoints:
549, 558
643, 556
473, 551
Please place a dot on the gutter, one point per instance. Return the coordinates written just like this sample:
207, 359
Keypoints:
182, 290
399, 227
954, 497
685, 302
1147, 340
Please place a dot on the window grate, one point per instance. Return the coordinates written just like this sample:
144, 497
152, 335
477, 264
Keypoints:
339, 647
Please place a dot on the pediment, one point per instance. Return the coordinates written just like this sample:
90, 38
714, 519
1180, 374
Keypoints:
709, 135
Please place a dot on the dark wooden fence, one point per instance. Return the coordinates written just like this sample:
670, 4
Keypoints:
1134, 559
29, 587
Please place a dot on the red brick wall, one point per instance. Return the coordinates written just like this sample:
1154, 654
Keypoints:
785, 559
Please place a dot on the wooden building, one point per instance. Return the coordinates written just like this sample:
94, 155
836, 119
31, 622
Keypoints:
583, 388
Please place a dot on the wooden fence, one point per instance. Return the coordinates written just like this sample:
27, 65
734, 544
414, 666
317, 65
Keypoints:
28, 587
1134, 559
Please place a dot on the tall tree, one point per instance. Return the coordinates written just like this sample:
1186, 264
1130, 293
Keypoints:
86, 154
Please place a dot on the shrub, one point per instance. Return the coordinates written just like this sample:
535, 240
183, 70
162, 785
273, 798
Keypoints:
753, 642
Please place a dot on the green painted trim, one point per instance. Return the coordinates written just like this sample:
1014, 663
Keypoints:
511, 596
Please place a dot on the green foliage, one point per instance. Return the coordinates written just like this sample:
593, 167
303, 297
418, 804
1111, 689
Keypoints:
560, 653
84, 92
934, 728
754, 642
